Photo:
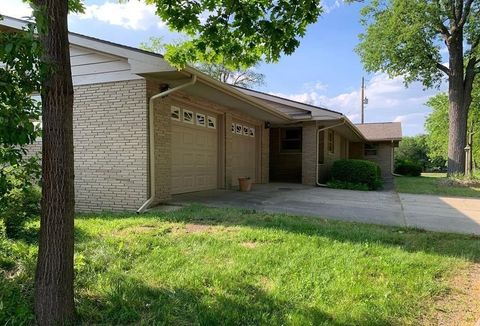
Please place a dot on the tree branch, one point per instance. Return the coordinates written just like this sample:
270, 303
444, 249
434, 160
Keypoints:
469, 78
466, 12
443, 68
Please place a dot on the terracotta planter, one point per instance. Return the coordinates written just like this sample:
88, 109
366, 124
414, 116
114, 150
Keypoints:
245, 184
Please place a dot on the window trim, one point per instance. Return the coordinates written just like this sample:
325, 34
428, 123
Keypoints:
331, 142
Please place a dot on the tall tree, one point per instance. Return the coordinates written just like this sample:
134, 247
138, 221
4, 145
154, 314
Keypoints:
54, 302
404, 38
243, 77
437, 123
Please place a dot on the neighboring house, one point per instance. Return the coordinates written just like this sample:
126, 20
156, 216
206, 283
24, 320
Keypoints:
144, 131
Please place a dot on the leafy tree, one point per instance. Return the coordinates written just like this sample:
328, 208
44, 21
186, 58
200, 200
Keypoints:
237, 34
20, 76
243, 77
414, 150
437, 123
54, 304
405, 38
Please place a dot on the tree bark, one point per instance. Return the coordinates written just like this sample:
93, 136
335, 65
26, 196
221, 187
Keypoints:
54, 303
458, 108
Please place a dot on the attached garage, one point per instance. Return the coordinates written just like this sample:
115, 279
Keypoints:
194, 150
244, 151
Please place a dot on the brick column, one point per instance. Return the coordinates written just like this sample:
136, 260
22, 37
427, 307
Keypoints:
309, 153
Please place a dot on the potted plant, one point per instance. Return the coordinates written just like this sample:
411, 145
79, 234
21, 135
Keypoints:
245, 184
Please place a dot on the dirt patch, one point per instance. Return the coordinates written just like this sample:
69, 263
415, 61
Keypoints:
461, 306
198, 228
138, 229
250, 244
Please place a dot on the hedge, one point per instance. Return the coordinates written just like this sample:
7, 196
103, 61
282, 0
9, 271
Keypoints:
357, 172
408, 169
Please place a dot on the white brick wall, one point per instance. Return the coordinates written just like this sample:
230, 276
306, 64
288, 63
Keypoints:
110, 138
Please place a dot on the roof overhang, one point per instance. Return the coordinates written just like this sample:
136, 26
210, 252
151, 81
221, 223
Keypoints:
220, 93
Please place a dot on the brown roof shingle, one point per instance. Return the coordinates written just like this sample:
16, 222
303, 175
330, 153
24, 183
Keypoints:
381, 131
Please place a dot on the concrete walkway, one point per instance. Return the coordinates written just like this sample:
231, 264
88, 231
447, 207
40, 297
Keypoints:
459, 215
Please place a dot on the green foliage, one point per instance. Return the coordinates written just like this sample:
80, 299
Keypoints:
237, 34
20, 77
408, 168
436, 125
205, 266
415, 150
19, 195
243, 77
401, 39
335, 184
357, 172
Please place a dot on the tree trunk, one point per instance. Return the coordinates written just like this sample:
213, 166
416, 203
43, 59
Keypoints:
54, 303
458, 110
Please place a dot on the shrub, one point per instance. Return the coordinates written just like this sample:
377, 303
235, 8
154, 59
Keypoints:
408, 169
19, 195
357, 172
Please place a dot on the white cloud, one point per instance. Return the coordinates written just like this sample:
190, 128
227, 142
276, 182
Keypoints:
133, 14
15, 8
329, 6
388, 100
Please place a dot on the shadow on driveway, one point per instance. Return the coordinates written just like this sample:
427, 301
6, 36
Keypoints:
386, 207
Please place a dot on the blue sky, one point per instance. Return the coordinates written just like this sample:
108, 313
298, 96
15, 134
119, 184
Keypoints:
324, 70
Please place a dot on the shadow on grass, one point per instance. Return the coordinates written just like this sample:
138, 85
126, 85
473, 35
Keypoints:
412, 240
130, 301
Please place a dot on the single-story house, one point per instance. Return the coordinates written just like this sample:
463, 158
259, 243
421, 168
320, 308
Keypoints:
144, 131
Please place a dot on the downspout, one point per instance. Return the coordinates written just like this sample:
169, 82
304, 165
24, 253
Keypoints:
151, 130
316, 162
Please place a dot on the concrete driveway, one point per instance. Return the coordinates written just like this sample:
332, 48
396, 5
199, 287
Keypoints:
459, 215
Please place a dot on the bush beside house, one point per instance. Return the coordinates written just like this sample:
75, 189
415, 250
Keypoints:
356, 175
407, 168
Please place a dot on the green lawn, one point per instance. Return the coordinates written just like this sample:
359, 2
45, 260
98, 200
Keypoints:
434, 184
201, 266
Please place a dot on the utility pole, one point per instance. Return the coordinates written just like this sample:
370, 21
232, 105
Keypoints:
363, 101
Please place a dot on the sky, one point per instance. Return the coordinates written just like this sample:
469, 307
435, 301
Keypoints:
324, 70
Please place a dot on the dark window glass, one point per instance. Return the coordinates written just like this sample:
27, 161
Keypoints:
370, 149
291, 140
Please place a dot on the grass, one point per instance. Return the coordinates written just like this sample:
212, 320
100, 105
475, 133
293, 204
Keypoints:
202, 266
434, 184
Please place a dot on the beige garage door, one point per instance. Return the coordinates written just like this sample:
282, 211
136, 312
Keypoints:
244, 151
194, 152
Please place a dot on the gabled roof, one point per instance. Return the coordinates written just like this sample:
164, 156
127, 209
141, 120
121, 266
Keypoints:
381, 131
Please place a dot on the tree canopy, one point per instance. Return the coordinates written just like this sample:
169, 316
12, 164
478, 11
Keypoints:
407, 38
243, 77
437, 123
411, 38
237, 34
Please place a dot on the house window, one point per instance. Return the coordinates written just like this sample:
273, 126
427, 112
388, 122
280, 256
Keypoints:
200, 119
188, 116
331, 142
370, 149
175, 113
238, 129
291, 140
212, 122
321, 147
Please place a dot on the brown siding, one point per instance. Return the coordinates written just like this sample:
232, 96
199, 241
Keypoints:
356, 151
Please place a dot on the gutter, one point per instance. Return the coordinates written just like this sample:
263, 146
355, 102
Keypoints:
151, 130
316, 161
